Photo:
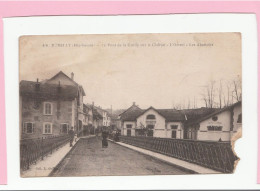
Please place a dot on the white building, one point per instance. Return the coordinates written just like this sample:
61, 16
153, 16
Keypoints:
152, 122
198, 124
219, 125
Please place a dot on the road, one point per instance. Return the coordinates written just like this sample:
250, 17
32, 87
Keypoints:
88, 158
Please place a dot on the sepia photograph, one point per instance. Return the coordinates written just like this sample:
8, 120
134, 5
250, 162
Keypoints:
129, 104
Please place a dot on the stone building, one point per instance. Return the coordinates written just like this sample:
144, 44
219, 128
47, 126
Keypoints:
50, 107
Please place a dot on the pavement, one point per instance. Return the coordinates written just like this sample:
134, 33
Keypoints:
44, 167
88, 158
180, 163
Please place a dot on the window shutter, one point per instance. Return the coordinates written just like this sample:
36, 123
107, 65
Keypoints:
33, 125
24, 128
43, 129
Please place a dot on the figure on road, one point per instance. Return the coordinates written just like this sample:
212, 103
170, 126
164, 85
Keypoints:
104, 139
71, 134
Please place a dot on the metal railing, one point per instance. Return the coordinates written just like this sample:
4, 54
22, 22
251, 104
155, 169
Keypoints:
32, 150
214, 155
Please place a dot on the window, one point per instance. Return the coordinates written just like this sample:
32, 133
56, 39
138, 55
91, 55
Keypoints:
214, 128
214, 118
174, 126
64, 128
128, 126
239, 119
47, 108
28, 127
150, 117
47, 128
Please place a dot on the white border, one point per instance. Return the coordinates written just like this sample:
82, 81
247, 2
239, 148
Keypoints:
245, 175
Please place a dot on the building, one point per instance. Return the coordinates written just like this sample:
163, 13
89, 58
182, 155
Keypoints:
88, 124
217, 126
51, 107
97, 120
196, 124
106, 120
166, 123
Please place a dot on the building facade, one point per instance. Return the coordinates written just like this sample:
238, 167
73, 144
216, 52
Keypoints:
217, 126
106, 120
50, 107
166, 123
211, 124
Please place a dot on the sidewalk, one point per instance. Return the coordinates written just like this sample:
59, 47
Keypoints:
44, 167
182, 164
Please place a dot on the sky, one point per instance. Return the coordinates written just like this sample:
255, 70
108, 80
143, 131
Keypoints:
157, 70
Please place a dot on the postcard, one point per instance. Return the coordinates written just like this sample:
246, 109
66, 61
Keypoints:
129, 104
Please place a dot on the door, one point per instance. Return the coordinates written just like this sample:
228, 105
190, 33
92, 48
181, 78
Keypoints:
174, 134
128, 132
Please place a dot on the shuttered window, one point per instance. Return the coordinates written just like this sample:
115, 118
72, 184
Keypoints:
28, 127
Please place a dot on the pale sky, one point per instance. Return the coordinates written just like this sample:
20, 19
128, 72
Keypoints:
133, 71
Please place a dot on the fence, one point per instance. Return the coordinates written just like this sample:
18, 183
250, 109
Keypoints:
215, 155
32, 150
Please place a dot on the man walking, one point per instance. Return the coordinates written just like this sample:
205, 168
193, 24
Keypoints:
71, 134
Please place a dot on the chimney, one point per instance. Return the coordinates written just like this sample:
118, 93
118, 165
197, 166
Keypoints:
59, 87
37, 85
72, 76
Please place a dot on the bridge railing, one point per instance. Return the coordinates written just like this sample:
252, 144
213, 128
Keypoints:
214, 155
32, 150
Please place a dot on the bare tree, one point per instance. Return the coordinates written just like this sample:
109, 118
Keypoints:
237, 88
220, 92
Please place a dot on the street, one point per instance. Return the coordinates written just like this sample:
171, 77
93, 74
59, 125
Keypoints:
88, 158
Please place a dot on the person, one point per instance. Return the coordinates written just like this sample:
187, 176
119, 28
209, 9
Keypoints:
117, 136
71, 134
104, 139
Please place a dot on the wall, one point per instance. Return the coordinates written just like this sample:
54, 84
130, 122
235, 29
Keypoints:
223, 120
30, 114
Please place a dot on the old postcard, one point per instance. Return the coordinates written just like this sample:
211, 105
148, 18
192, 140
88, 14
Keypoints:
129, 104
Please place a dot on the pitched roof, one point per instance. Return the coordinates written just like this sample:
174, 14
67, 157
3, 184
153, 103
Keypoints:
86, 108
47, 91
171, 115
217, 111
96, 115
133, 107
192, 115
62, 73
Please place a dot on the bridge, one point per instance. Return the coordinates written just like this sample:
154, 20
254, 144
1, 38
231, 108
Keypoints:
88, 158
